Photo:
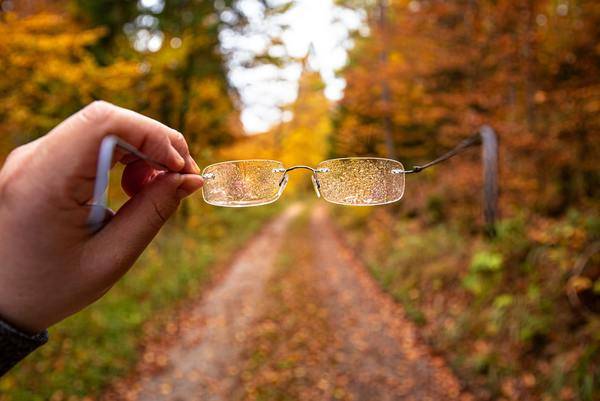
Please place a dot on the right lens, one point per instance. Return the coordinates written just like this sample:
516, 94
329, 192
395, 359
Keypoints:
361, 181
242, 183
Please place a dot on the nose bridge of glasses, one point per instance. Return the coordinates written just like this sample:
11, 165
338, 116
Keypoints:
286, 170
299, 167
302, 167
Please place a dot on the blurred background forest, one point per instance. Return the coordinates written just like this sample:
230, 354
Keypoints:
517, 315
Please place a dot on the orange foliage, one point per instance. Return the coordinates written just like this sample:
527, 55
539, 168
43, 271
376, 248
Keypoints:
529, 69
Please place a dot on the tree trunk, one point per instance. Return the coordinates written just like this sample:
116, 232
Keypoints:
385, 90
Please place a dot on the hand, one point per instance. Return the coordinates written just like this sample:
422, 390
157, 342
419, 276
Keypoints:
51, 265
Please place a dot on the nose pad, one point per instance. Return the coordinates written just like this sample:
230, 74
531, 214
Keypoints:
282, 184
316, 185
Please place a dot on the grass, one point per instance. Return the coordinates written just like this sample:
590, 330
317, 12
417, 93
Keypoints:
88, 350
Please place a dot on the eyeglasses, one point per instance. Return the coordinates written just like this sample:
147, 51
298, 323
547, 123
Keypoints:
353, 181
356, 181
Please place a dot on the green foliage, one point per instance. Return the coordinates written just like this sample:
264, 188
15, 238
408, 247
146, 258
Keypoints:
506, 317
501, 302
483, 272
486, 262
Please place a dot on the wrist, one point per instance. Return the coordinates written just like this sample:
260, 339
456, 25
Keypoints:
19, 320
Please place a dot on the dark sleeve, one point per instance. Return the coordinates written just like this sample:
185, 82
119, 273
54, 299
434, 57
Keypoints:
15, 345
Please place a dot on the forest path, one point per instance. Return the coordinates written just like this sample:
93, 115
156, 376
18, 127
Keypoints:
295, 318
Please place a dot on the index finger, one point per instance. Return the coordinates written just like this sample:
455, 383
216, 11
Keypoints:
76, 140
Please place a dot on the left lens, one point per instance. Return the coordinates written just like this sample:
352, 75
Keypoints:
242, 183
361, 181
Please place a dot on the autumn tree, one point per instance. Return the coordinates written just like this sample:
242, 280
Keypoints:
305, 139
176, 44
48, 74
528, 69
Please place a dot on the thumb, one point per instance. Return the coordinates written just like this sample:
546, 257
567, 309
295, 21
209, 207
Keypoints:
117, 246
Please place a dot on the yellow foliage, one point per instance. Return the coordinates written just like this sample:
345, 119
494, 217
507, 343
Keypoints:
304, 140
47, 74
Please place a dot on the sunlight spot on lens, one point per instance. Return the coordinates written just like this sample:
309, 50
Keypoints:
176, 43
154, 6
541, 19
144, 68
155, 42
562, 9
7, 6
414, 6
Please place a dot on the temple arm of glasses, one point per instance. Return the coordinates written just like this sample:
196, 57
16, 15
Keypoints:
486, 137
98, 205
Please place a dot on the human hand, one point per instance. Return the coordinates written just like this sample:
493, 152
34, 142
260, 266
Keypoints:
51, 265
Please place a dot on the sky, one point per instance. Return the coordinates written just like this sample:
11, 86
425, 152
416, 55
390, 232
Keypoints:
315, 29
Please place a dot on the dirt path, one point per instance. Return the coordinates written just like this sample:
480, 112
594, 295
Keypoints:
378, 347
296, 318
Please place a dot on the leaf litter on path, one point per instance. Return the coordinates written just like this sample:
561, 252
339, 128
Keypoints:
296, 318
